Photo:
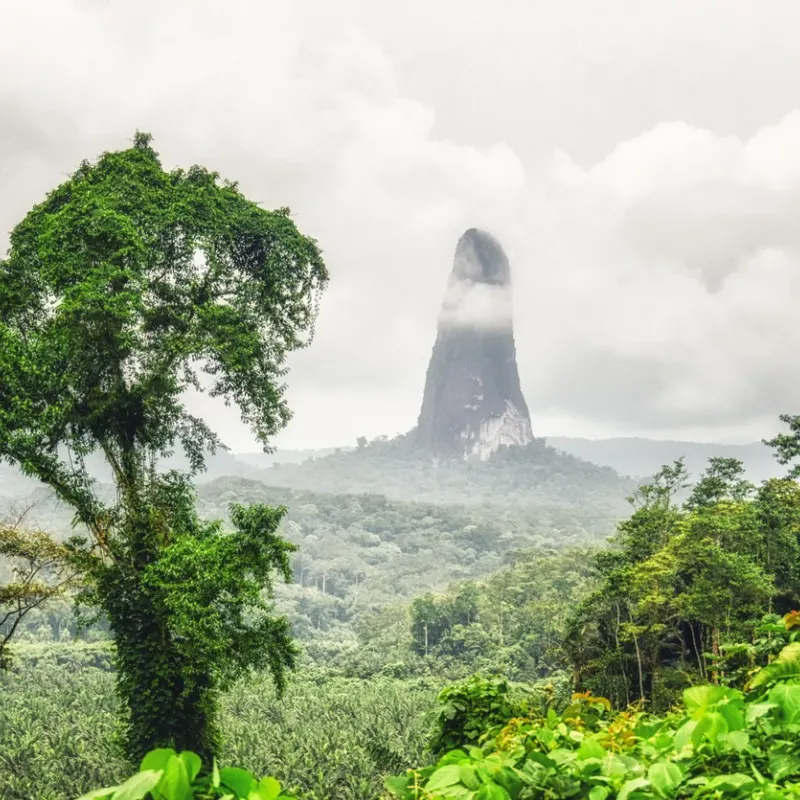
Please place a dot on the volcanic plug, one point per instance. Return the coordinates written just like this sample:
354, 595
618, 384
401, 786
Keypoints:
473, 401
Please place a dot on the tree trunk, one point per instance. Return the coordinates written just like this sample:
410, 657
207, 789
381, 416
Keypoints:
172, 702
715, 639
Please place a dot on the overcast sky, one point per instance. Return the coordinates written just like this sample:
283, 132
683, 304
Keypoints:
639, 161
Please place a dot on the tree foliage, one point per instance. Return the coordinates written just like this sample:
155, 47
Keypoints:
719, 742
682, 581
126, 287
37, 568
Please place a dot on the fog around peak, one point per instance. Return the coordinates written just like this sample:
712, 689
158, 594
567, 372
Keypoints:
646, 204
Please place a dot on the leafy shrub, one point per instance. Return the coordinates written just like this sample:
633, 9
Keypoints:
738, 662
471, 708
723, 742
167, 775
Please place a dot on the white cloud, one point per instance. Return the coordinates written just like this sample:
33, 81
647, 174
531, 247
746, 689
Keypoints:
653, 289
690, 266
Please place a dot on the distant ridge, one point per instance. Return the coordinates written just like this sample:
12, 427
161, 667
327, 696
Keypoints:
642, 458
563, 471
531, 474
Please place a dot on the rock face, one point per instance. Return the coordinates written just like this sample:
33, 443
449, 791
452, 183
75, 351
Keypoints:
473, 401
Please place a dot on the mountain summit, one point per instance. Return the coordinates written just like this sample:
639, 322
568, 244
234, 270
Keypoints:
473, 401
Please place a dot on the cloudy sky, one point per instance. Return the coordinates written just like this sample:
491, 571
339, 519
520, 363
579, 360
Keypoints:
639, 161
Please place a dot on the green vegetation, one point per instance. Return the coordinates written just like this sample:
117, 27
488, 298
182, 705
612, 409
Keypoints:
360, 555
682, 583
326, 737
489, 649
668, 623
721, 742
167, 775
127, 286
534, 475
33, 571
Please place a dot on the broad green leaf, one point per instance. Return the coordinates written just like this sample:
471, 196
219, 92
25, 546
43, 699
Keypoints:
772, 793
613, 767
268, 789
444, 776
397, 784
737, 740
733, 716
468, 776
175, 784
240, 780
782, 764
99, 794
455, 792
785, 667
786, 696
700, 697
138, 786
509, 780
710, 726
492, 791
157, 759
684, 735
629, 787
757, 710
542, 759
599, 793
455, 756
665, 777
591, 748
192, 762
736, 782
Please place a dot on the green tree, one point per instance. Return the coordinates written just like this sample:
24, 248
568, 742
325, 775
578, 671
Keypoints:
126, 287
787, 445
36, 568
434, 616
681, 582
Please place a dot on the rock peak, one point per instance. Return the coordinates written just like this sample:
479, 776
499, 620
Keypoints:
473, 400
480, 258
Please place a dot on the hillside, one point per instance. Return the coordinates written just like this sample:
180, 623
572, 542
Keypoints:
637, 457
380, 547
370, 550
358, 555
531, 475
561, 470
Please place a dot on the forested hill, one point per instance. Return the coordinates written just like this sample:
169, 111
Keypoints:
377, 550
561, 470
532, 475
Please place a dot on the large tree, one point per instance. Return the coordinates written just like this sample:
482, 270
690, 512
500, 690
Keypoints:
126, 287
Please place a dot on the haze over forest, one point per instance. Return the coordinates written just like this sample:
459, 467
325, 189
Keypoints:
399, 402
